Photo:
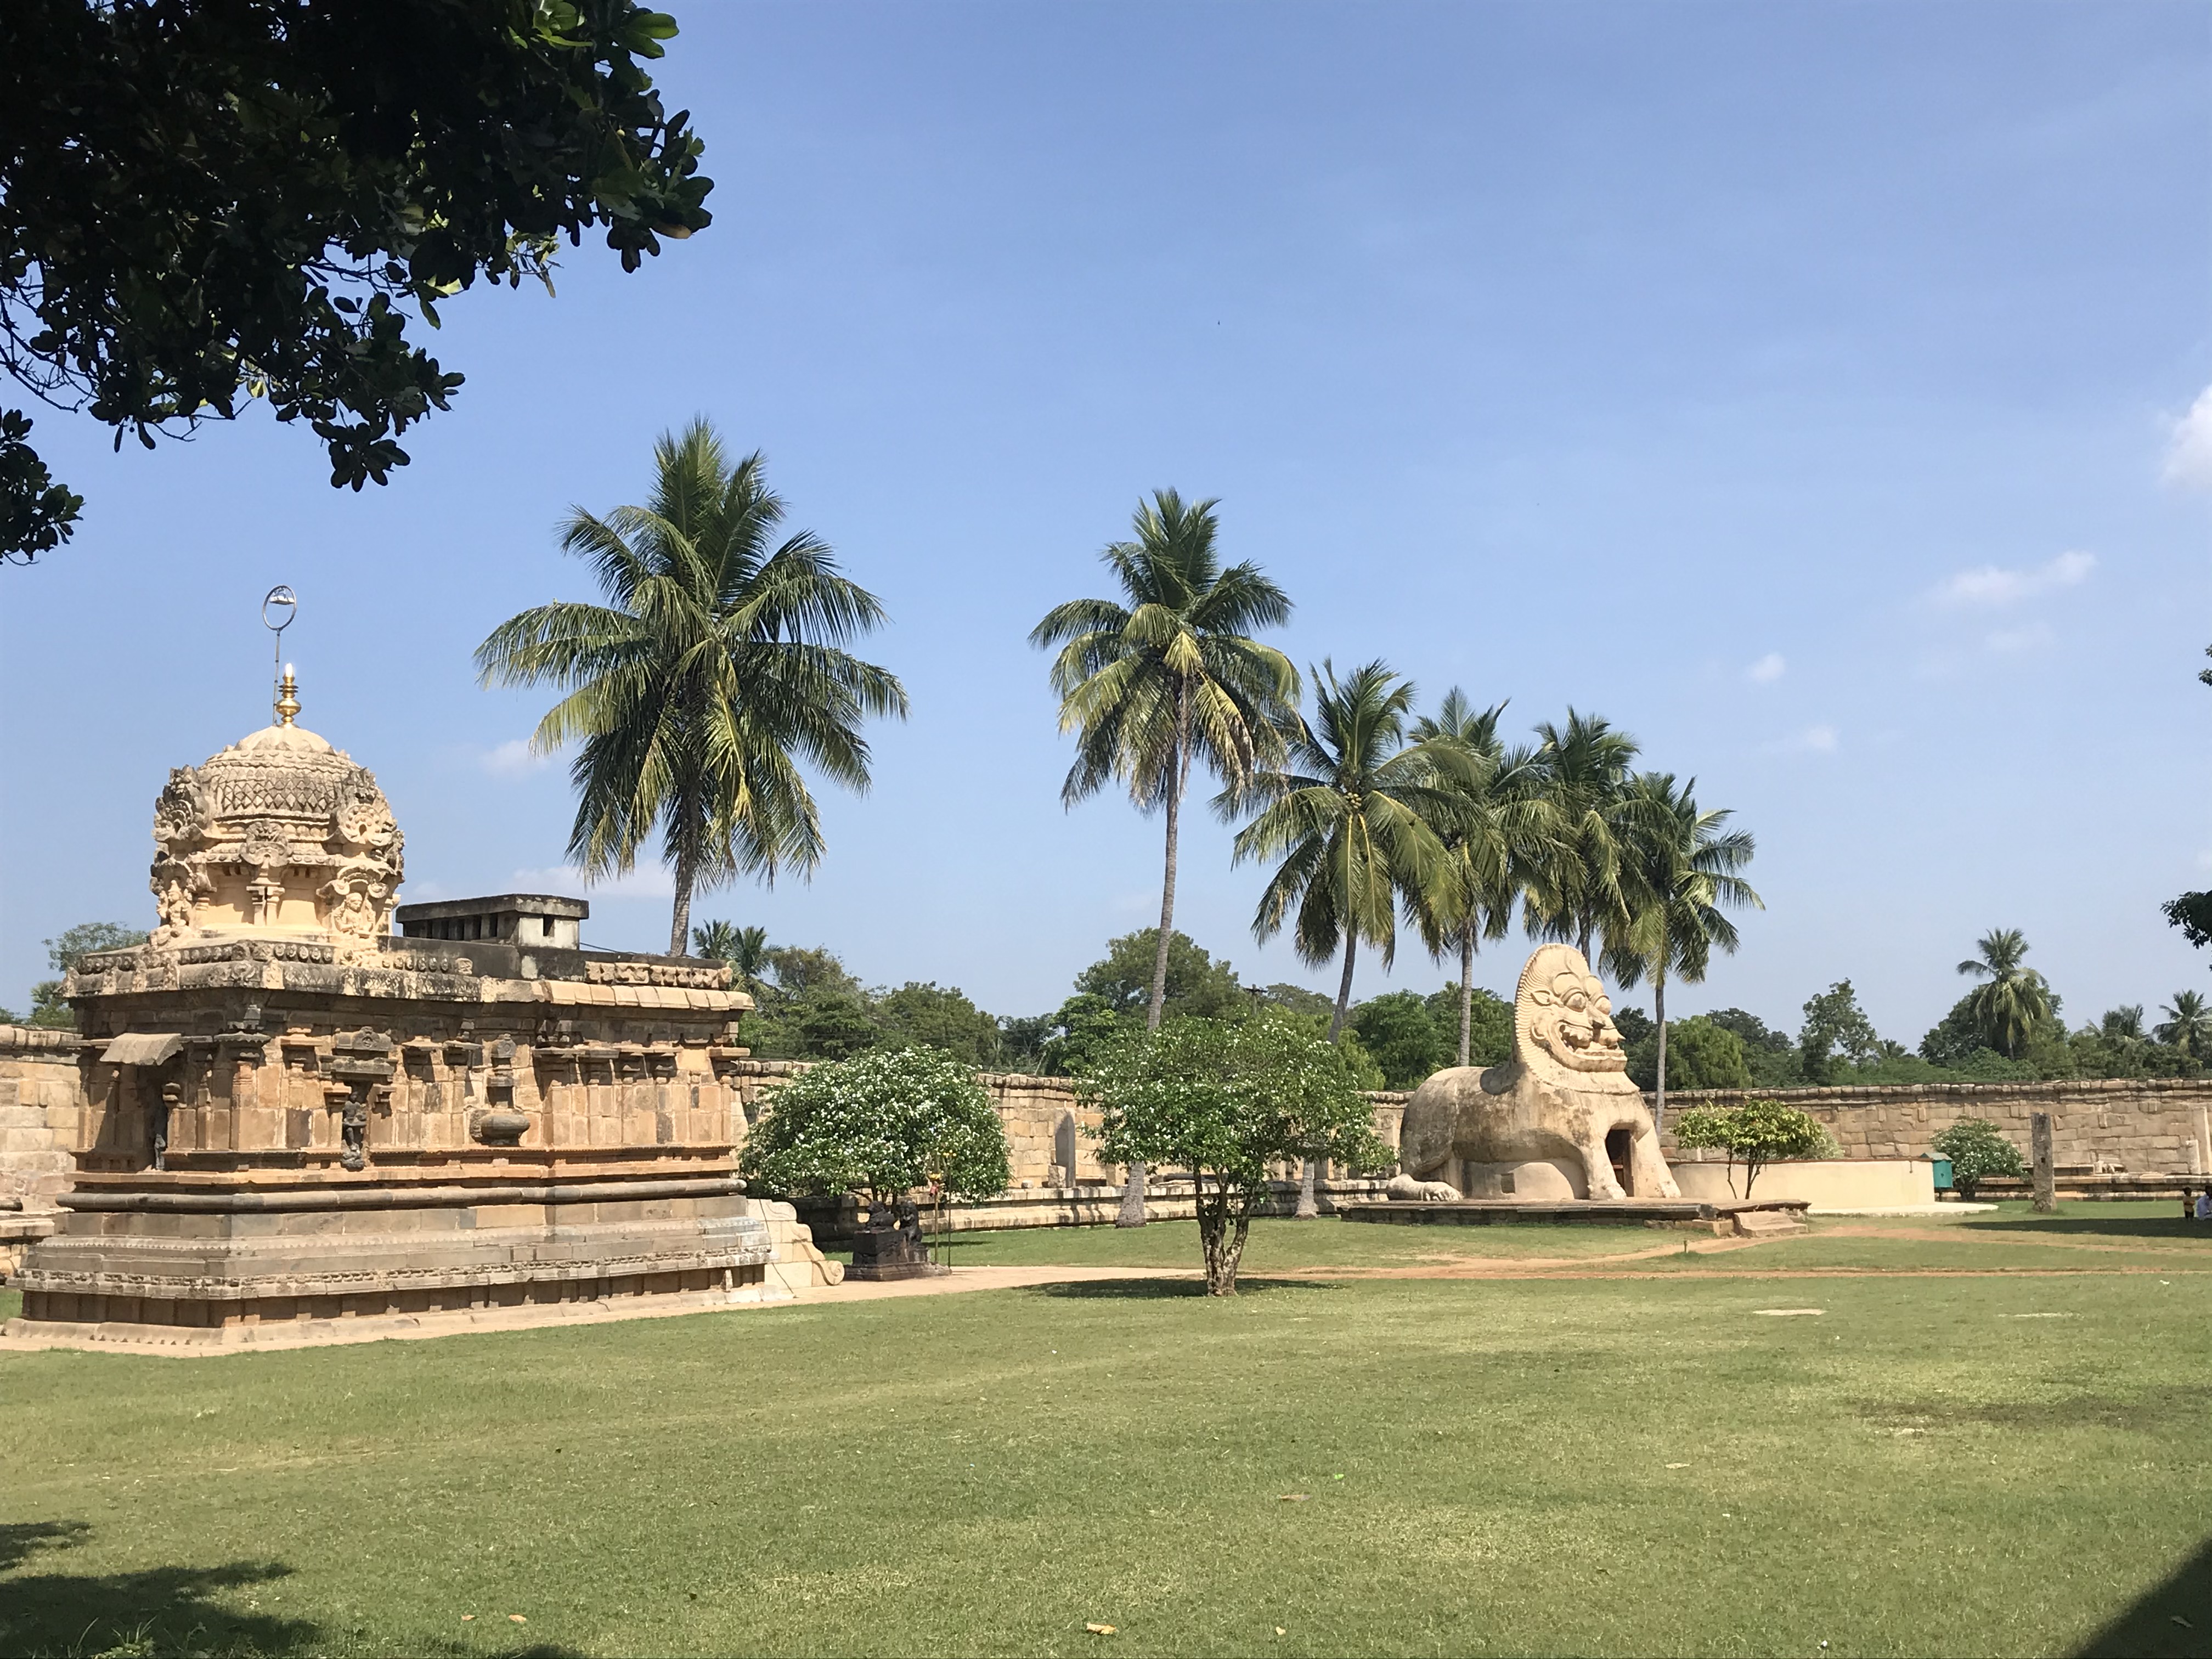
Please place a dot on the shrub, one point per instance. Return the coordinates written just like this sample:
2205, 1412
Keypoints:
881, 1123
1228, 1100
1758, 1132
1978, 1150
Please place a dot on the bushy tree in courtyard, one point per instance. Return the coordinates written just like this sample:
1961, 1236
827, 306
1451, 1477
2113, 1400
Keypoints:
1165, 678
1230, 1101
714, 670
205, 204
1756, 1134
880, 1124
1978, 1150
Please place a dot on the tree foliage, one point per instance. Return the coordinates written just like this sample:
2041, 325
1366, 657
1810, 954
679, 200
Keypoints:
1756, 1134
2014, 998
1835, 1026
1230, 1101
202, 203
716, 669
64, 953
1977, 1151
1352, 823
1199, 985
880, 1124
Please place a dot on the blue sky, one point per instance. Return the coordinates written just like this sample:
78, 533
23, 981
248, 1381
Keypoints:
1808, 389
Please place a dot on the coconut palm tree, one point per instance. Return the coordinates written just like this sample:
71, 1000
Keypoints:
1577, 887
1354, 816
745, 949
2122, 1024
1167, 678
2188, 1024
2015, 999
1678, 868
713, 671
1505, 827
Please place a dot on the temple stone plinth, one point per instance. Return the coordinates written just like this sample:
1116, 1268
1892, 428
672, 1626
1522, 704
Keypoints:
295, 1126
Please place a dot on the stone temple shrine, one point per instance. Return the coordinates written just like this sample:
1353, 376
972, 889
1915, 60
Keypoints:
295, 1126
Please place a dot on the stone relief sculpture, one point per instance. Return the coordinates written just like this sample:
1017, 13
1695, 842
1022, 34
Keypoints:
278, 817
1562, 1107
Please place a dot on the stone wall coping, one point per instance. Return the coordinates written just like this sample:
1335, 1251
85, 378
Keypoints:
1870, 1094
30, 1039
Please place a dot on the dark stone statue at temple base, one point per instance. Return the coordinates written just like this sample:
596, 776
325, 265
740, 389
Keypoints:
886, 1250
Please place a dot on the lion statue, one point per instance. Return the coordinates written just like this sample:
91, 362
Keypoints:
1564, 1098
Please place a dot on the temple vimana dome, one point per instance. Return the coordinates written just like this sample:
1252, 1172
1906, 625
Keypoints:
293, 1124
280, 832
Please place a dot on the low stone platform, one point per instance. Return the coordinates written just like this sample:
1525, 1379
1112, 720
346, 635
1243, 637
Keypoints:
1758, 1217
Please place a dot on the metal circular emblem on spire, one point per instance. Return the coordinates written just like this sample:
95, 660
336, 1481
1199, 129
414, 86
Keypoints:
285, 603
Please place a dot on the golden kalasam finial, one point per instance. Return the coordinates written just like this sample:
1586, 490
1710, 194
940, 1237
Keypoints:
287, 699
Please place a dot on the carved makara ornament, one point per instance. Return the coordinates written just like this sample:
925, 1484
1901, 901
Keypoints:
280, 830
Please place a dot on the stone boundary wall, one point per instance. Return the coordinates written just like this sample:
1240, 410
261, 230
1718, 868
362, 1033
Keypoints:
2141, 1125
40, 1100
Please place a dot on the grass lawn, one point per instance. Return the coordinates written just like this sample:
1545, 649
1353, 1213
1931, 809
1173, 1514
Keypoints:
1931, 1465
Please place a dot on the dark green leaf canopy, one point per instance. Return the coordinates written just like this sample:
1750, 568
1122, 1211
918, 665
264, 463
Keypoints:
207, 201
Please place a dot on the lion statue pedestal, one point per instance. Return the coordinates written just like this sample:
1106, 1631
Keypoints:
1560, 1120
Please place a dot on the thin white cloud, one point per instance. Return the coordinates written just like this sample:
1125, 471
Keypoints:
2020, 639
513, 759
2189, 450
1813, 740
647, 881
1767, 669
1991, 586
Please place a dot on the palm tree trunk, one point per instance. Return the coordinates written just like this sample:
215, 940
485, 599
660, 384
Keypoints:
679, 926
1466, 995
1133, 1189
1344, 985
1659, 1002
1158, 1002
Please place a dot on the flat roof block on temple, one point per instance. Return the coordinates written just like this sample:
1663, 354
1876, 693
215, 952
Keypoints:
506, 917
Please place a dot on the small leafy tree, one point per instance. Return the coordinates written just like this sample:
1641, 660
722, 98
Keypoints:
880, 1124
1230, 1101
1977, 1151
1757, 1132
64, 953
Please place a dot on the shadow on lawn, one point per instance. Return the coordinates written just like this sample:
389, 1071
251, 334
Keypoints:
1170, 1290
162, 1610
2093, 1226
2174, 1407
2174, 1621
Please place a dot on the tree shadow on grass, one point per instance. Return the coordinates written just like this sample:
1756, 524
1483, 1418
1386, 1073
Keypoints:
1171, 1290
162, 1610
2173, 1621
2093, 1226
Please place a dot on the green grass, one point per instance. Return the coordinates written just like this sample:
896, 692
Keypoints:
1931, 1465
1277, 1246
